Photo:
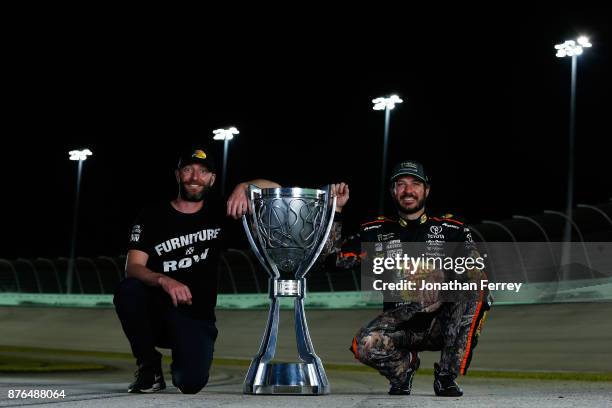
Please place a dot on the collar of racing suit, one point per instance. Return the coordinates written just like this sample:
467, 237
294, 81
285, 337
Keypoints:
413, 223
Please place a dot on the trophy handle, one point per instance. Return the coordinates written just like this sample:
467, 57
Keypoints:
326, 208
256, 248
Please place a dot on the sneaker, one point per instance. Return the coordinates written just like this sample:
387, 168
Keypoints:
406, 387
148, 379
445, 384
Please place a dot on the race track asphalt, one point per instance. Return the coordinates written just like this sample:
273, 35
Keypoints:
554, 338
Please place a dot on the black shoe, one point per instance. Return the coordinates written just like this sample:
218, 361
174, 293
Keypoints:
148, 379
445, 384
406, 387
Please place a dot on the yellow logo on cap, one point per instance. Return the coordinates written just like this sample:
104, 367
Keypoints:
199, 154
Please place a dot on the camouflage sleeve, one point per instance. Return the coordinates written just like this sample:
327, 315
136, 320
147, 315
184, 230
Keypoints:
348, 253
345, 250
332, 246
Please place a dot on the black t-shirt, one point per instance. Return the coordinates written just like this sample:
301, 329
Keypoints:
186, 247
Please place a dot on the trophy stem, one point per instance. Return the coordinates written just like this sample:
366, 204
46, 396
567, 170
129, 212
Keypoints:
267, 348
304, 343
306, 377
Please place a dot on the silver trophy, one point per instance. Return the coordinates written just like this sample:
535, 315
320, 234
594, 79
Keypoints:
287, 229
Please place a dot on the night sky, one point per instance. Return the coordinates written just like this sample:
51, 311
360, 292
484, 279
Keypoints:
486, 109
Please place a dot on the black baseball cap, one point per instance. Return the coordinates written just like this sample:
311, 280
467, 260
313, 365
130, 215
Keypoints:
197, 155
409, 168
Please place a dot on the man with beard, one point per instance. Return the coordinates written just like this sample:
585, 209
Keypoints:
391, 342
170, 291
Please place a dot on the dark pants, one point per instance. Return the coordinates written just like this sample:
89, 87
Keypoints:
149, 319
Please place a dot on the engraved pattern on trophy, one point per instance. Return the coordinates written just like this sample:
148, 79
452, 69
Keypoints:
289, 229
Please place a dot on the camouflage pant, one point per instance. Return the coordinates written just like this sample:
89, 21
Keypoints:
386, 343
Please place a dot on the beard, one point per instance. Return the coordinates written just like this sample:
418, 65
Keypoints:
420, 204
194, 197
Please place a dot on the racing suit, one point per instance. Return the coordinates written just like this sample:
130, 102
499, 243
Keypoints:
391, 341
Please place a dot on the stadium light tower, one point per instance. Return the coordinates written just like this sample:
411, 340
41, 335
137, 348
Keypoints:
226, 135
571, 49
386, 104
80, 156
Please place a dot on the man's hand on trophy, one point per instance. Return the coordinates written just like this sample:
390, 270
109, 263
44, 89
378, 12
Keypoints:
341, 191
238, 203
179, 292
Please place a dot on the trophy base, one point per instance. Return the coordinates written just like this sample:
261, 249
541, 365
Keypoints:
287, 379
